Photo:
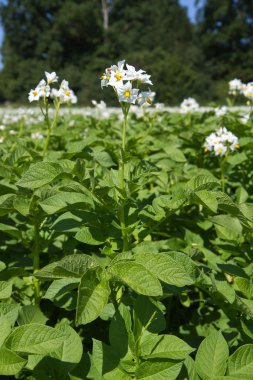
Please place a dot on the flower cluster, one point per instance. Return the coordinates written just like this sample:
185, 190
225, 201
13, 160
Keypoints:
235, 87
44, 90
247, 90
221, 111
189, 105
221, 142
122, 77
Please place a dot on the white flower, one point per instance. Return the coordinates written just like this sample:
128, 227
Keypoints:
33, 95
105, 78
51, 77
132, 74
37, 136
43, 88
1, 139
221, 111
221, 141
189, 105
126, 93
145, 79
235, 86
118, 74
65, 94
64, 85
2, 127
248, 91
12, 132
146, 98
220, 150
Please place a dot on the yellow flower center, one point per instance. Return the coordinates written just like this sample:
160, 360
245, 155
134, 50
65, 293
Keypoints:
219, 150
35, 93
67, 93
250, 94
149, 101
237, 146
127, 93
118, 76
206, 150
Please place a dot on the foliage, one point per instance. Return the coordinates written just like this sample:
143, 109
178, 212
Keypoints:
176, 302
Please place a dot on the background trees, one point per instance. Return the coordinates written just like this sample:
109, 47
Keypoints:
79, 38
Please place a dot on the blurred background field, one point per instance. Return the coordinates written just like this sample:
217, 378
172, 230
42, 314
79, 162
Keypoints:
191, 48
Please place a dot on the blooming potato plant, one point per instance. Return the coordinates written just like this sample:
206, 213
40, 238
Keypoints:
124, 264
189, 105
122, 78
221, 143
43, 92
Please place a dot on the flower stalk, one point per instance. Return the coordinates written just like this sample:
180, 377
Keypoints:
36, 260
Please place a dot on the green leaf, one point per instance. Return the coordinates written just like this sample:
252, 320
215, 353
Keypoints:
61, 200
103, 360
60, 287
5, 289
71, 350
10, 362
93, 295
162, 370
40, 174
173, 268
120, 331
207, 199
10, 230
190, 366
22, 204
5, 329
144, 309
74, 265
203, 182
35, 338
91, 235
241, 362
31, 314
10, 311
137, 277
212, 356
165, 347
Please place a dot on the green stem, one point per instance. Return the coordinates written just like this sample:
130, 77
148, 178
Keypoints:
122, 184
223, 168
50, 126
36, 260
222, 180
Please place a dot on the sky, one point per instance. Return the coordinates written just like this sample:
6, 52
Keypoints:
191, 9
189, 4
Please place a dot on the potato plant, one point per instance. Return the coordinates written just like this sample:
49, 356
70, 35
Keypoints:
126, 256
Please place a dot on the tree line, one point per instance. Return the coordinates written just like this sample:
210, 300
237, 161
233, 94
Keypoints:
79, 38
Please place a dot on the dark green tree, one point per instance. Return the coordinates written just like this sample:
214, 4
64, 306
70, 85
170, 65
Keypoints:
225, 32
47, 35
79, 38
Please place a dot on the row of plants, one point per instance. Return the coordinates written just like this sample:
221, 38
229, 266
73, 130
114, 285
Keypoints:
126, 243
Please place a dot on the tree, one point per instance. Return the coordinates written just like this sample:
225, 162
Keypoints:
78, 39
225, 31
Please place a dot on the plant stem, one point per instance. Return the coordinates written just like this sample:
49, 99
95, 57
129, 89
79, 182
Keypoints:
50, 126
122, 184
222, 168
36, 260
